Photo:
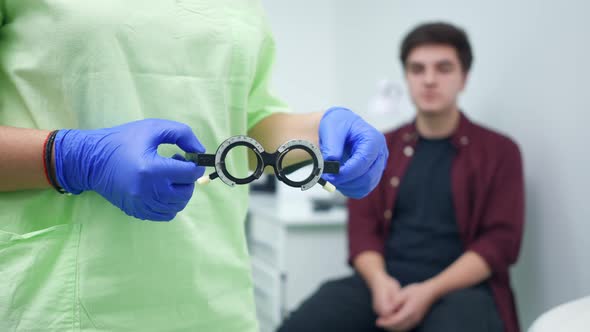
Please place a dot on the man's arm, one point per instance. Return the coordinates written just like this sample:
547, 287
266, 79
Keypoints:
384, 288
371, 266
500, 234
468, 270
503, 215
21, 159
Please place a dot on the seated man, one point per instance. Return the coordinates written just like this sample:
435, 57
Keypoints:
432, 244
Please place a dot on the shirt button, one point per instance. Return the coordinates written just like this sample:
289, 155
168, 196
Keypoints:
464, 140
408, 151
387, 214
394, 181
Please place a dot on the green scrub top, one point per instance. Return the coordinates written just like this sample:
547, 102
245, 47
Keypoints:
77, 263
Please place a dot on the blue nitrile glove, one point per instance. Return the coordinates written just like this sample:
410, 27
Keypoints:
122, 164
358, 146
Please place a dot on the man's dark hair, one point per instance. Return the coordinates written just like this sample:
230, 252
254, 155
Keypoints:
438, 33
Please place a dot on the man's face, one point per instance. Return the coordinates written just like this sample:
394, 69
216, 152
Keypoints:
435, 78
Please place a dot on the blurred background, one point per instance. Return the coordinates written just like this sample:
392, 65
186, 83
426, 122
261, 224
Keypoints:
529, 80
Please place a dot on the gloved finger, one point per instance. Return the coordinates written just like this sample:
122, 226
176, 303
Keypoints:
145, 212
154, 215
341, 180
181, 172
332, 142
361, 185
178, 193
332, 146
364, 154
356, 190
354, 168
165, 207
374, 176
173, 132
179, 157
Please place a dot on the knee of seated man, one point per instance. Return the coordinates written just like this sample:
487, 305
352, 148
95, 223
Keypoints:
471, 309
337, 285
330, 287
466, 299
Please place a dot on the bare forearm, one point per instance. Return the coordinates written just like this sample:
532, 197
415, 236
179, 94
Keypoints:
468, 270
21, 159
371, 266
281, 127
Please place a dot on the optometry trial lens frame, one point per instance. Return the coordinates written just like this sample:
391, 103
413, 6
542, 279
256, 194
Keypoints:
264, 159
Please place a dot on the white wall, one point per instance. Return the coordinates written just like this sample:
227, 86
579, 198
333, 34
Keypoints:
367, 53
304, 32
529, 80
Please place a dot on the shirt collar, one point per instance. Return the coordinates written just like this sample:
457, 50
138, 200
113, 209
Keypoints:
459, 138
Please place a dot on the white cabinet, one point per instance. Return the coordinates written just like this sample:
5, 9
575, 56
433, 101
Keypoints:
291, 256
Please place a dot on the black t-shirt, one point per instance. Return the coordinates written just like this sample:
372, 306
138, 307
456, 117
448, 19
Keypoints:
424, 237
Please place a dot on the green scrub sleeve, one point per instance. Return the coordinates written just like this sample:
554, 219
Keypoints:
261, 101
